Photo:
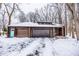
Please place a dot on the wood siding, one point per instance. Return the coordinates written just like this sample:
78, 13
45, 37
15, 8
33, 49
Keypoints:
22, 32
37, 31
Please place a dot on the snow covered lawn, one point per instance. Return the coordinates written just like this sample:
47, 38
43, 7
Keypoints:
38, 47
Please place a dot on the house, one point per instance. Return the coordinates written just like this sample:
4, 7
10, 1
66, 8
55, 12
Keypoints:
39, 29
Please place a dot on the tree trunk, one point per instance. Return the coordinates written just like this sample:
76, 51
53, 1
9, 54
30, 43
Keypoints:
71, 7
70, 28
9, 20
65, 21
76, 19
60, 19
73, 35
0, 5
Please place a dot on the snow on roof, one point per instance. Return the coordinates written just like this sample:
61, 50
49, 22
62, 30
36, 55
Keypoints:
31, 24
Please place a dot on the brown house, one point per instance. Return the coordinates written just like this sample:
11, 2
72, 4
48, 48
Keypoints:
40, 29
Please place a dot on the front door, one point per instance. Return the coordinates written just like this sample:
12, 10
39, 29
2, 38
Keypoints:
12, 32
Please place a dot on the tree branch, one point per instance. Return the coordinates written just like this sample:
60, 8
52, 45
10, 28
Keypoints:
12, 9
69, 7
6, 9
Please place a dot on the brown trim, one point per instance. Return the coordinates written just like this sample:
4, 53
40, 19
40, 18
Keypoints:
63, 31
15, 32
50, 32
53, 32
29, 32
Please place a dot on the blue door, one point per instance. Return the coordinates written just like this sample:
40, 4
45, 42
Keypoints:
12, 32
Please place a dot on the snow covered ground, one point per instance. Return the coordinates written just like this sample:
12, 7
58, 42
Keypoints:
38, 47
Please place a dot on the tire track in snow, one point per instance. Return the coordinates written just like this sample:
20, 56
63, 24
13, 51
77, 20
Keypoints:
15, 49
54, 51
30, 49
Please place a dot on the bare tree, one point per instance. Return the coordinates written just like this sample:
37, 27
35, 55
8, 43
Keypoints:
0, 5
73, 8
3, 20
65, 19
22, 17
76, 17
70, 7
8, 12
37, 15
59, 13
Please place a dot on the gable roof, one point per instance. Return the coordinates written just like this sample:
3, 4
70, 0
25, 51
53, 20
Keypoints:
31, 24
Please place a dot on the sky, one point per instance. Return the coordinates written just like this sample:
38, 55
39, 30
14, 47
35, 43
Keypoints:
39, 1
30, 7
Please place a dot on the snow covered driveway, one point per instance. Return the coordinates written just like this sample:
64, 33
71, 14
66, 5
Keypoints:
38, 47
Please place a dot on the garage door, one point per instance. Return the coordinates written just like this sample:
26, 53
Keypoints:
22, 32
40, 32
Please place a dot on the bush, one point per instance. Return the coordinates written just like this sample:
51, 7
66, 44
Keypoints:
5, 29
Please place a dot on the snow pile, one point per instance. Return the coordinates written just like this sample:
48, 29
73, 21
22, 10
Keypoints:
10, 45
12, 40
38, 47
66, 47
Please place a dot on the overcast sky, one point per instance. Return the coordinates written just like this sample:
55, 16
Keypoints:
40, 1
28, 7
